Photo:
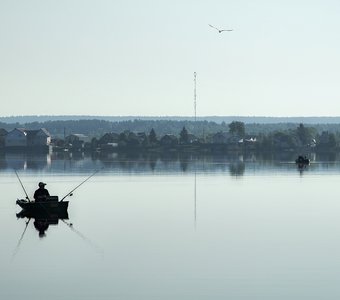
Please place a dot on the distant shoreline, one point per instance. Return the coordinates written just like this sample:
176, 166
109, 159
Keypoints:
216, 119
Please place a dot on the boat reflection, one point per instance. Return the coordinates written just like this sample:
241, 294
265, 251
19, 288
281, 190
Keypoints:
43, 219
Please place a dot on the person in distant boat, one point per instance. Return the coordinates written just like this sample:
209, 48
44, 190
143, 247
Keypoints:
41, 193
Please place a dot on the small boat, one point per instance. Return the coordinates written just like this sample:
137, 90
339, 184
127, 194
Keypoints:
50, 204
302, 160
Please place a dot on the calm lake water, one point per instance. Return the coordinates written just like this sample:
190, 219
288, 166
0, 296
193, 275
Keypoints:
227, 227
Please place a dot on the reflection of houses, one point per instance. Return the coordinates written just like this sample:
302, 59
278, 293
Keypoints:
32, 160
26, 138
3, 134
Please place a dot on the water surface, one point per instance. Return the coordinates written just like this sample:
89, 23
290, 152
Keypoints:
226, 227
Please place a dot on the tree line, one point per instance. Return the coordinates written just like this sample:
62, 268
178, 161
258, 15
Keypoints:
96, 127
152, 133
234, 136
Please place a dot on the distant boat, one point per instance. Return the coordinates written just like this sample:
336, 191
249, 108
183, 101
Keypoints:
302, 160
51, 204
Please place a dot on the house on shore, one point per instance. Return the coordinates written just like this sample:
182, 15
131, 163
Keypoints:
234, 142
169, 140
221, 138
77, 141
22, 138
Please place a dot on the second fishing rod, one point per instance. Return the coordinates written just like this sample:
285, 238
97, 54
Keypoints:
71, 192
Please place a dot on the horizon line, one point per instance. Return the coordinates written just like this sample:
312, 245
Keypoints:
170, 116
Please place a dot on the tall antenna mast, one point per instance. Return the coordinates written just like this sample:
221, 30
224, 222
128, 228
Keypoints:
195, 95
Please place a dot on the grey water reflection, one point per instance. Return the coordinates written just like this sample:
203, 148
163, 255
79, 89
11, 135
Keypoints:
173, 226
237, 164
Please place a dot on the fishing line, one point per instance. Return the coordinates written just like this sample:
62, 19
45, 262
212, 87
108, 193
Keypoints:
16, 250
83, 237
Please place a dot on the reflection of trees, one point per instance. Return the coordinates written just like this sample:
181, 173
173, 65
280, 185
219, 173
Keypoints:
127, 160
167, 157
35, 161
3, 163
170, 161
153, 161
77, 155
327, 156
237, 169
184, 161
16, 161
277, 156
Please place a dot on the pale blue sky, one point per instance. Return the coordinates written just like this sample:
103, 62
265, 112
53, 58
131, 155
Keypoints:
138, 57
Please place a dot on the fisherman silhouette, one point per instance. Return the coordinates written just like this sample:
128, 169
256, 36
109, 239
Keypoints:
41, 193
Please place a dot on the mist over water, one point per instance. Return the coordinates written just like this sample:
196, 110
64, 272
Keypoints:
174, 227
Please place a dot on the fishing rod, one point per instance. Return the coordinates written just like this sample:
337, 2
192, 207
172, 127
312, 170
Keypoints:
22, 186
70, 193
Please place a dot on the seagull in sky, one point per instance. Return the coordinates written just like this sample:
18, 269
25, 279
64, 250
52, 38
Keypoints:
220, 30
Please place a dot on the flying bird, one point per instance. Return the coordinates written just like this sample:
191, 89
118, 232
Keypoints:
220, 30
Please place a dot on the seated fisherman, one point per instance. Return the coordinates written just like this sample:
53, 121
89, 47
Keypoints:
41, 193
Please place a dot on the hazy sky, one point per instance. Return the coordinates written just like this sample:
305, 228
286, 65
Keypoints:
134, 57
